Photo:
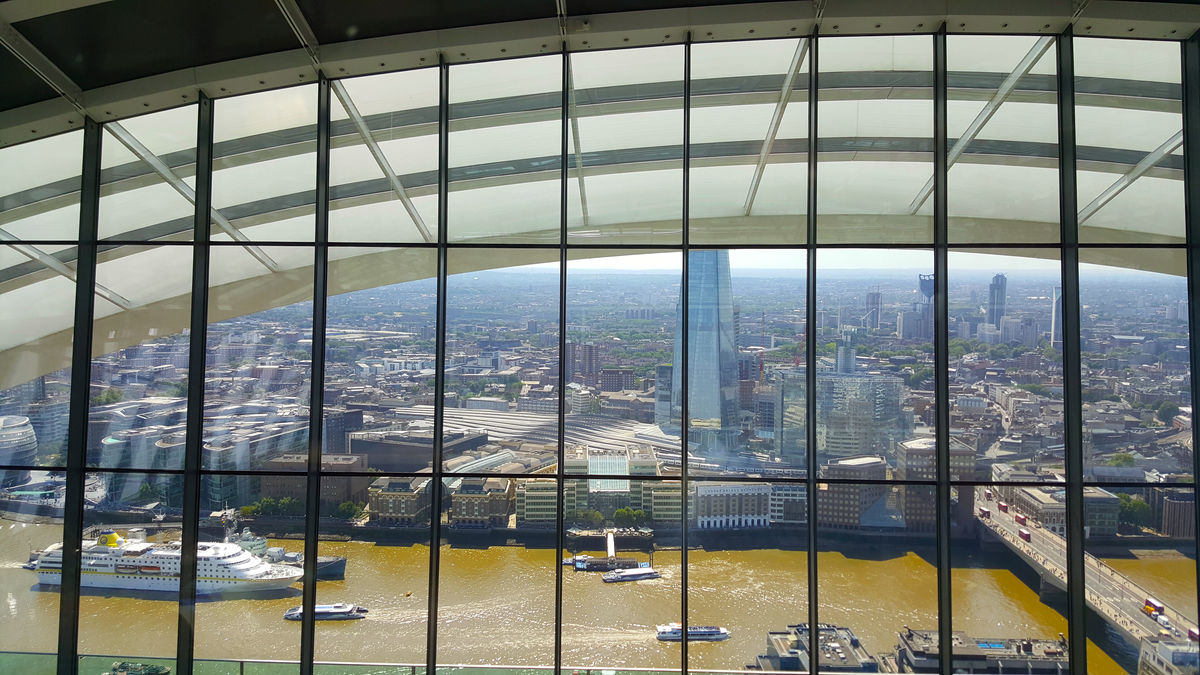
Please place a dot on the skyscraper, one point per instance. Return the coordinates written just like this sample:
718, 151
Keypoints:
874, 307
1056, 317
712, 376
997, 293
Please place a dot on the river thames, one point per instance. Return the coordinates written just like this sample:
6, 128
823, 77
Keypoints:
496, 605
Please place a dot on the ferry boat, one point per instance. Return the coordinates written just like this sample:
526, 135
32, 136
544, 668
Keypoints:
673, 632
636, 574
339, 612
112, 562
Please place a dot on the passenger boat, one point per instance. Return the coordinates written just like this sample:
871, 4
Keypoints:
673, 632
338, 612
636, 574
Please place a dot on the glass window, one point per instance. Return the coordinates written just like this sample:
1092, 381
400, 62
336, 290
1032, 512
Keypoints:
1135, 370
622, 313
138, 413
1129, 132
505, 146
258, 369
749, 142
383, 157
381, 323
875, 139
496, 602
37, 311
1002, 135
624, 605
39, 188
874, 337
147, 180
1006, 381
233, 622
502, 348
625, 154
265, 165
739, 594
128, 605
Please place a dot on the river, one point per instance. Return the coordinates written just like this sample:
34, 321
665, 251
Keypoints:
496, 605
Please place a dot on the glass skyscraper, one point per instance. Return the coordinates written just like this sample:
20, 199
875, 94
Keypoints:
712, 376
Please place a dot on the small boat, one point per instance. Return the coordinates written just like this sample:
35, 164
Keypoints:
336, 612
130, 668
636, 574
673, 632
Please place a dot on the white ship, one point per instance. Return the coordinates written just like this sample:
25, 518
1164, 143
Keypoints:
673, 632
112, 562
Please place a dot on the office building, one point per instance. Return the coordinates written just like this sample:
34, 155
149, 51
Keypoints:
997, 298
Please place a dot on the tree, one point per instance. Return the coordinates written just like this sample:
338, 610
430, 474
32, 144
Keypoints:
349, 510
108, 396
1167, 412
1122, 459
1133, 511
250, 510
623, 517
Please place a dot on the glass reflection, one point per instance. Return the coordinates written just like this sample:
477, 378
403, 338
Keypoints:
749, 142
875, 139
374, 552
147, 181
258, 368
39, 188
129, 594
746, 376
625, 146
138, 413
35, 374
1002, 128
496, 575
379, 356
1135, 371
502, 354
875, 349
383, 157
1129, 133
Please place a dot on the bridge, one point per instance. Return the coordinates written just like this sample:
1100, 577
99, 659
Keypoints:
1109, 593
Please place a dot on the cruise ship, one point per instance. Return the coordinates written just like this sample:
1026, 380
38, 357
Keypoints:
673, 632
113, 562
636, 574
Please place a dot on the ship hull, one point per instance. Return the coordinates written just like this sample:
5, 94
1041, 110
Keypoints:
168, 584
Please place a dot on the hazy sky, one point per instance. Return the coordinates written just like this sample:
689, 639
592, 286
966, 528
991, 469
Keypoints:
900, 259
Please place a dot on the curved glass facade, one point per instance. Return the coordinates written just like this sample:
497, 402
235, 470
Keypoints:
421, 336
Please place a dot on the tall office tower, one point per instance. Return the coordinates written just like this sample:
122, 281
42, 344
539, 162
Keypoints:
846, 355
997, 292
712, 375
1056, 317
791, 411
874, 307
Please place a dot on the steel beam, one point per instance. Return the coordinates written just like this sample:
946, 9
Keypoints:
785, 95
